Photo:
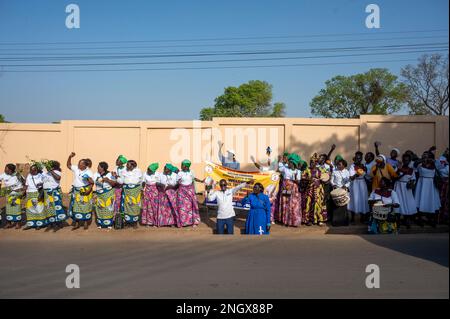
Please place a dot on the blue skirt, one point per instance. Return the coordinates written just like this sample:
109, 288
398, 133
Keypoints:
256, 223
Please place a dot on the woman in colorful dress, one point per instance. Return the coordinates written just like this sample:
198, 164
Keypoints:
121, 161
104, 200
131, 180
187, 206
427, 195
315, 200
34, 200
380, 170
14, 190
150, 202
303, 189
282, 162
258, 218
167, 197
326, 167
358, 189
404, 189
289, 212
384, 195
80, 208
54, 210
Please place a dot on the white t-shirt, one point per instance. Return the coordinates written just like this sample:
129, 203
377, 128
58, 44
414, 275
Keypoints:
225, 201
152, 179
80, 177
33, 182
120, 170
386, 200
11, 181
340, 178
49, 181
131, 177
185, 178
168, 179
291, 174
273, 164
100, 184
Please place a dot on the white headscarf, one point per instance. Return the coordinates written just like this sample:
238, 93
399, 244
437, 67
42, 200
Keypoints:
382, 157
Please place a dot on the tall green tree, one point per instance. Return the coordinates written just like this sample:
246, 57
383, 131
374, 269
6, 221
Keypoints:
2, 118
375, 92
427, 84
251, 99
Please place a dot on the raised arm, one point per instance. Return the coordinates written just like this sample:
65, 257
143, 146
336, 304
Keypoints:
377, 151
220, 152
69, 160
258, 166
333, 147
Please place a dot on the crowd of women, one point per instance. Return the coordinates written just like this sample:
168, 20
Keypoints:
118, 198
414, 187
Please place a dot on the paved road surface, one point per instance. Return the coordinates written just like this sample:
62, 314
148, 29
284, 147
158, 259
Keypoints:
174, 265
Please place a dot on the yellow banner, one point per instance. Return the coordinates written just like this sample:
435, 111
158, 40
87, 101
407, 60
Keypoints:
214, 173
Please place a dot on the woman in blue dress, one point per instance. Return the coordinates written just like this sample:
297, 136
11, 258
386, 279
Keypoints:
258, 219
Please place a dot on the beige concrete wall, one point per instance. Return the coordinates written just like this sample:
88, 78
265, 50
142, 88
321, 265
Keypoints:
172, 141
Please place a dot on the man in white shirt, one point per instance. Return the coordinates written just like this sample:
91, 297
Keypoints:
225, 210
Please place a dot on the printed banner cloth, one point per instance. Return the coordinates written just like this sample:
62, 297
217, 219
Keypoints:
214, 173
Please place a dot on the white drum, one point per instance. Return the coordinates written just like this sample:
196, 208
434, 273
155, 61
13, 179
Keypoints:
340, 197
380, 212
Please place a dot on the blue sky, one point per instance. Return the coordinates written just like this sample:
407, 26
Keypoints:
180, 94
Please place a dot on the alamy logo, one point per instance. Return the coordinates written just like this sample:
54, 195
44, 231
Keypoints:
73, 279
73, 19
373, 19
373, 279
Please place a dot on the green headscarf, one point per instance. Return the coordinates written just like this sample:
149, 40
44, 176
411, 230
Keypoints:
186, 163
153, 167
171, 168
338, 158
122, 159
286, 154
294, 158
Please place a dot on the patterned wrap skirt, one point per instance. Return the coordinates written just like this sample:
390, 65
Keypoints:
13, 205
289, 212
167, 208
35, 210
104, 207
132, 194
150, 205
54, 210
316, 206
187, 206
118, 202
80, 208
